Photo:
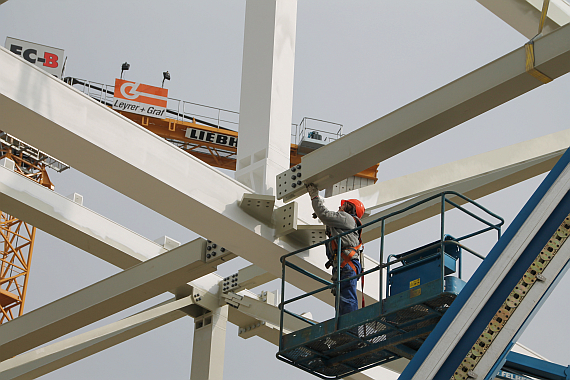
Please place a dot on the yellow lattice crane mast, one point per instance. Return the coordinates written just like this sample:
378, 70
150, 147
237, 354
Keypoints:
17, 236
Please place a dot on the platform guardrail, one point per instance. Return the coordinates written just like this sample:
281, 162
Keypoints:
444, 199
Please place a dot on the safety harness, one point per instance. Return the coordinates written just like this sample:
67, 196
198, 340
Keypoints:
347, 254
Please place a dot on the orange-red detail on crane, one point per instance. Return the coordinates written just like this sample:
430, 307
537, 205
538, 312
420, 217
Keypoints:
210, 142
221, 156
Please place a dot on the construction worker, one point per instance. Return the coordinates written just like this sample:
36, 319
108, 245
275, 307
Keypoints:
345, 219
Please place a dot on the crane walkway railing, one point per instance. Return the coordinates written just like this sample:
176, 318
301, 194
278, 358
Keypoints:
180, 110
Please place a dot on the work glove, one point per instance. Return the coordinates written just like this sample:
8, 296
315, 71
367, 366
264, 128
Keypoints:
313, 190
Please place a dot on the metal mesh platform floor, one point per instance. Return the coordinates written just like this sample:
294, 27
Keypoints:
365, 338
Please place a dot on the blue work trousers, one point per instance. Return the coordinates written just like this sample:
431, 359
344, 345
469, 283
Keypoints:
348, 296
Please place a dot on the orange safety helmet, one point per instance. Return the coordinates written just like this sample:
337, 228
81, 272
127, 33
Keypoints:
358, 206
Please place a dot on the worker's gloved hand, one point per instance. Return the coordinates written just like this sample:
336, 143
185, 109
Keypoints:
313, 190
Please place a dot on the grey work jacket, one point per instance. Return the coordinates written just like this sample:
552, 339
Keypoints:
337, 222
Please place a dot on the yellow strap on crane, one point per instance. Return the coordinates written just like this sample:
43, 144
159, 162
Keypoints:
529, 48
543, 15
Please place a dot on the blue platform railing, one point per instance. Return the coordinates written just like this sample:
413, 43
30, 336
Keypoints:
444, 199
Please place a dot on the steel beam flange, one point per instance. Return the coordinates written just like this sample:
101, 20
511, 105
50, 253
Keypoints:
259, 206
290, 182
285, 219
214, 252
230, 283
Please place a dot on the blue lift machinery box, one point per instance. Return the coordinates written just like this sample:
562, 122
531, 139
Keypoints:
423, 265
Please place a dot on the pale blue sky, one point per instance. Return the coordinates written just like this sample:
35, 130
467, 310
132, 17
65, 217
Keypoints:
355, 62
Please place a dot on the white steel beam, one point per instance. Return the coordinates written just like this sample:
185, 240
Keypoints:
465, 98
249, 304
474, 171
474, 188
209, 345
33, 364
247, 307
102, 299
266, 101
73, 223
54, 356
474, 177
260, 318
252, 276
524, 15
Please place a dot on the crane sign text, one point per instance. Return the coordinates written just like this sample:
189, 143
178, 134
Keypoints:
45, 57
140, 98
211, 137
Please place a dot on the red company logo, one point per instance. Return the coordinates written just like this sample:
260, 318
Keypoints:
31, 55
142, 93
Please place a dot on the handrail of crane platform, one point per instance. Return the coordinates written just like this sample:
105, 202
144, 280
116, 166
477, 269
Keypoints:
336, 283
302, 128
105, 93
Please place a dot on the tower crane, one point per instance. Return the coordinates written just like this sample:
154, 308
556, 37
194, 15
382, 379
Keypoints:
17, 236
193, 132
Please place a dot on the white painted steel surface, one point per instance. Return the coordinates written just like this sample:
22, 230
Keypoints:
39, 362
73, 223
524, 15
102, 299
474, 177
266, 100
465, 175
209, 345
465, 98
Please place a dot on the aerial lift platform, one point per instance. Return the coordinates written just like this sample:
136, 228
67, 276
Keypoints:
474, 337
448, 328
420, 284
